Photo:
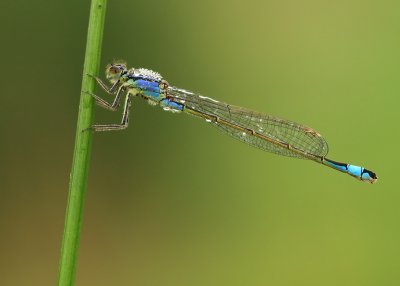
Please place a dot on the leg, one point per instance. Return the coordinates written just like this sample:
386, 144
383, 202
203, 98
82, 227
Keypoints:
124, 121
109, 90
101, 102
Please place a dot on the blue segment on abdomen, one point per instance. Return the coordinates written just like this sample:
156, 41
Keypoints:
366, 176
355, 170
339, 166
154, 95
171, 104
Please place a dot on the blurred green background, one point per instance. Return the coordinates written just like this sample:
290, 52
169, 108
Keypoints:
171, 201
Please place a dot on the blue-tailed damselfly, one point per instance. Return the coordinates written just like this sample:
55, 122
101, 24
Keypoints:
269, 133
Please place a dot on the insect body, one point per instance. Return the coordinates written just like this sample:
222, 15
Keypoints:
269, 133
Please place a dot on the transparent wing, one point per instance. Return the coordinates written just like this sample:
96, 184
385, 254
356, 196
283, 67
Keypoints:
236, 120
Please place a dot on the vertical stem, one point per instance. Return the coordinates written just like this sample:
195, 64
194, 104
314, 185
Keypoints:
80, 164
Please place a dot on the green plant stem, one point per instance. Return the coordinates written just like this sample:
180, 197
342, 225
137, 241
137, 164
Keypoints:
83, 139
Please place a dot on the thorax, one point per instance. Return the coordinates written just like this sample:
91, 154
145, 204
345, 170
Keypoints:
146, 83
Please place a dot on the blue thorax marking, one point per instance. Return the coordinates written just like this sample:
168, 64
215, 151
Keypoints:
149, 88
146, 85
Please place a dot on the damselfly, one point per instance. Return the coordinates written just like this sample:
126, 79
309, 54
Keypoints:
269, 133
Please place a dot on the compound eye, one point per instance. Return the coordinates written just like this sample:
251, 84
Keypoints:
114, 69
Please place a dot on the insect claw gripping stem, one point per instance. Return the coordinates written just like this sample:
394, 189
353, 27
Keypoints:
88, 129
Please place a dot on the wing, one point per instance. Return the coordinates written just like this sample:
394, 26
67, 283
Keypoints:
269, 133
